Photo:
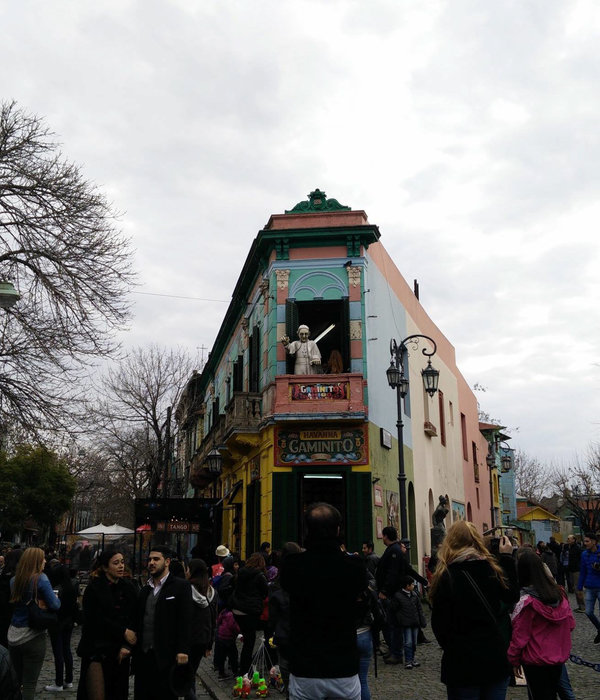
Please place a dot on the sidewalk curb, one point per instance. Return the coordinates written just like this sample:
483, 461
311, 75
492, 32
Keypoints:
211, 684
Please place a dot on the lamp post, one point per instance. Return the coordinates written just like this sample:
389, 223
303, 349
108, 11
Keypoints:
398, 380
9, 296
491, 462
506, 465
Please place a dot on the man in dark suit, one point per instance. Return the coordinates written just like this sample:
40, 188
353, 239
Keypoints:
164, 629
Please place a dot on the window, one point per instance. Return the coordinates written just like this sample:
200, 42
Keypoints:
238, 374
318, 315
442, 418
475, 461
254, 362
215, 412
463, 430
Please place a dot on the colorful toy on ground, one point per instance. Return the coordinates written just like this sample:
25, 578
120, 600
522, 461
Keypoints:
275, 679
255, 679
246, 687
237, 688
262, 691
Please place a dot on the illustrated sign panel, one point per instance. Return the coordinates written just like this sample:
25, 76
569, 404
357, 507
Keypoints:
458, 511
391, 501
321, 391
335, 445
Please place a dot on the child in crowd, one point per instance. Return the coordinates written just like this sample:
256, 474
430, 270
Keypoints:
225, 646
409, 614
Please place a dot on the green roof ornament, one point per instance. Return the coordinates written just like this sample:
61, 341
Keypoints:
317, 201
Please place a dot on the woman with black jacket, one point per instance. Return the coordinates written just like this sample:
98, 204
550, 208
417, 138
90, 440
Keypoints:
109, 613
247, 602
204, 614
60, 634
471, 594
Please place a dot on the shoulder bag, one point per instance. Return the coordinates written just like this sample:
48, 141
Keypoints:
39, 619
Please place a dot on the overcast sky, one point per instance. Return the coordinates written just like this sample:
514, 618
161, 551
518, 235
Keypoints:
468, 131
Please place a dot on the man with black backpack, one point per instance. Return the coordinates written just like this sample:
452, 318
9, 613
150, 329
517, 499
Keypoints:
324, 586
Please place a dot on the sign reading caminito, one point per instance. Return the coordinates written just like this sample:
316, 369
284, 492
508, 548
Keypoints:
341, 445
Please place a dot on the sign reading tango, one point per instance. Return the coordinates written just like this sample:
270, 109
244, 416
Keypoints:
177, 526
347, 445
320, 391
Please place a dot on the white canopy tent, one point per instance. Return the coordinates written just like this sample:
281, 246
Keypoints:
102, 531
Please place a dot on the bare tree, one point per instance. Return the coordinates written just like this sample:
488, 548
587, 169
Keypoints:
60, 247
531, 477
135, 413
579, 486
111, 475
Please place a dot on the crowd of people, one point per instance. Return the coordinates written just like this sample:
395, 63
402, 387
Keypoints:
498, 613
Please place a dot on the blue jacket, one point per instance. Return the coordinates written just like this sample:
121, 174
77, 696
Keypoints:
588, 576
20, 615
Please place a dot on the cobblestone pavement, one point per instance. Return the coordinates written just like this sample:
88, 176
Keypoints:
392, 682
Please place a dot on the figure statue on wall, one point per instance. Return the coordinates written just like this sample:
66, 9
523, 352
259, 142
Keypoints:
306, 352
440, 513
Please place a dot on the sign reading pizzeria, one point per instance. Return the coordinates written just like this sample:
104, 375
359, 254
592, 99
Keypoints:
342, 445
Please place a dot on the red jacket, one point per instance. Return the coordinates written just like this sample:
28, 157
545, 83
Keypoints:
541, 634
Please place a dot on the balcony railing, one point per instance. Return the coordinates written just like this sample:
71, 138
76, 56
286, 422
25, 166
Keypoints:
243, 413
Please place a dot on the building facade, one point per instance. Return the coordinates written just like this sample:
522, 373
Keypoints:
266, 441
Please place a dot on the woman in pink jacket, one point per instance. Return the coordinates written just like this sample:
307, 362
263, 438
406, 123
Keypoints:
542, 623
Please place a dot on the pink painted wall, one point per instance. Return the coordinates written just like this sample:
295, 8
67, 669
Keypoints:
467, 400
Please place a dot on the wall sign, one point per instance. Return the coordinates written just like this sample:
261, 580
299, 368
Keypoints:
378, 495
386, 438
320, 391
177, 526
332, 445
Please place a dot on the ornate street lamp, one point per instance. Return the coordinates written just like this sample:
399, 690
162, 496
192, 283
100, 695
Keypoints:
398, 380
214, 461
506, 463
8, 295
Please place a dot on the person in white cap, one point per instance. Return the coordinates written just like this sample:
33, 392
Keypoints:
308, 357
221, 552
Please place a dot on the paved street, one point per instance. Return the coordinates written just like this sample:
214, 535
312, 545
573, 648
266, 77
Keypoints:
394, 682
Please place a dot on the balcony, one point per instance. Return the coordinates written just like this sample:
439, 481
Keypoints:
429, 429
243, 413
332, 396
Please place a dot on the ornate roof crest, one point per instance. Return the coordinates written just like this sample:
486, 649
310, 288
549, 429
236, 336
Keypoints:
317, 202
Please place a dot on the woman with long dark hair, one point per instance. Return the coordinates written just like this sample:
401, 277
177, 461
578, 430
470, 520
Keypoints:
204, 614
27, 646
542, 623
108, 635
471, 593
247, 602
60, 634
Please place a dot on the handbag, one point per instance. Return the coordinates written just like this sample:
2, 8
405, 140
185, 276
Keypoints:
481, 597
37, 618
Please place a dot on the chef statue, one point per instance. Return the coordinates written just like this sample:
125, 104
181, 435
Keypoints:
308, 357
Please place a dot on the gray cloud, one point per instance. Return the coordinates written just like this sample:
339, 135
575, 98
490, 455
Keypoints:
466, 130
